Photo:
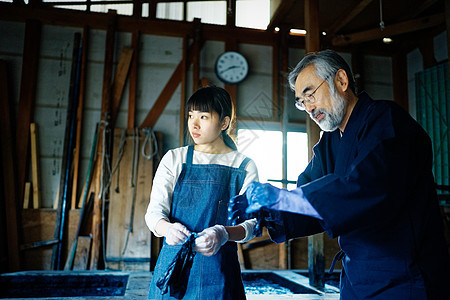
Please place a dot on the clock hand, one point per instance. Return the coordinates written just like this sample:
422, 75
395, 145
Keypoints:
229, 68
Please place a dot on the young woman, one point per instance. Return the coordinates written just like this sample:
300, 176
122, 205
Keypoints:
190, 194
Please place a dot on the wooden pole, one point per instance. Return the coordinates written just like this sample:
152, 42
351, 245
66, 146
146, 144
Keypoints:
106, 111
316, 259
76, 153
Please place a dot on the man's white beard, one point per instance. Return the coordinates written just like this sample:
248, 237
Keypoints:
333, 118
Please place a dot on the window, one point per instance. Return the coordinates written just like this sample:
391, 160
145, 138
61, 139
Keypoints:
265, 148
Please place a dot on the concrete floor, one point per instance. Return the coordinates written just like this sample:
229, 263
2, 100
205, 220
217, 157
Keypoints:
138, 283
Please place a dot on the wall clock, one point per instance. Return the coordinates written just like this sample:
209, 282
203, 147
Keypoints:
231, 67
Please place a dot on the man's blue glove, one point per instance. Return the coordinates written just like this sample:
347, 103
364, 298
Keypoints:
259, 195
265, 195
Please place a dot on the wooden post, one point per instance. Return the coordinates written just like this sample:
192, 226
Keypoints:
196, 55
184, 68
76, 153
30, 62
315, 243
133, 80
105, 116
9, 183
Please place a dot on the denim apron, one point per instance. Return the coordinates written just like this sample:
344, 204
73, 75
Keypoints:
200, 200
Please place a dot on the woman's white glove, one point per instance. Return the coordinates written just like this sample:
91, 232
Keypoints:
209, 241
176, 234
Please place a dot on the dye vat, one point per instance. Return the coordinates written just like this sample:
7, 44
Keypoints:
39, 284
269, 283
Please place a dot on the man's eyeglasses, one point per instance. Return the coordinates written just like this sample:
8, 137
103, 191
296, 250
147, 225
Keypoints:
300, 101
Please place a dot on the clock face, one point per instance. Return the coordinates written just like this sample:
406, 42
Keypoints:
231, 67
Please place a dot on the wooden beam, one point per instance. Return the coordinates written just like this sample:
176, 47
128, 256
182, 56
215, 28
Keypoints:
416, 10
30, 62
347, 16
391, 30
284, 7
77, 150
231, 45
120, 79
158, 27
182, 136
133, 80
9, 183
231, 14
426, 48
312, 26
166, 93
315, 242
196, 57
107, 67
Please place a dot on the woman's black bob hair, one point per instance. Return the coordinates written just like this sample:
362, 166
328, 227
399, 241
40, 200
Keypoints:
209, 99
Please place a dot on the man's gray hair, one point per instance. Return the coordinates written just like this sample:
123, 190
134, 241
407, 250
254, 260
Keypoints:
327, 63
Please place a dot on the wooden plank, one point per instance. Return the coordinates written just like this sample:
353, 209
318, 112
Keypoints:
9, 183
30, 62
391, 30
120, 208
133, 80
77, 150
83, 252
35, 169
26, 196
120, 79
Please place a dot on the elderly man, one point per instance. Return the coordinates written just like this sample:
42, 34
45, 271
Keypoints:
369, 183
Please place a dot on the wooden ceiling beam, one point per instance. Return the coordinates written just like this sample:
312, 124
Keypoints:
347, 16
389, 31
416, 11
280, 13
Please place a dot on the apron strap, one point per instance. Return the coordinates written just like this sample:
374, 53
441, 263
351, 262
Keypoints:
190, 154
244, 163
339, 256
